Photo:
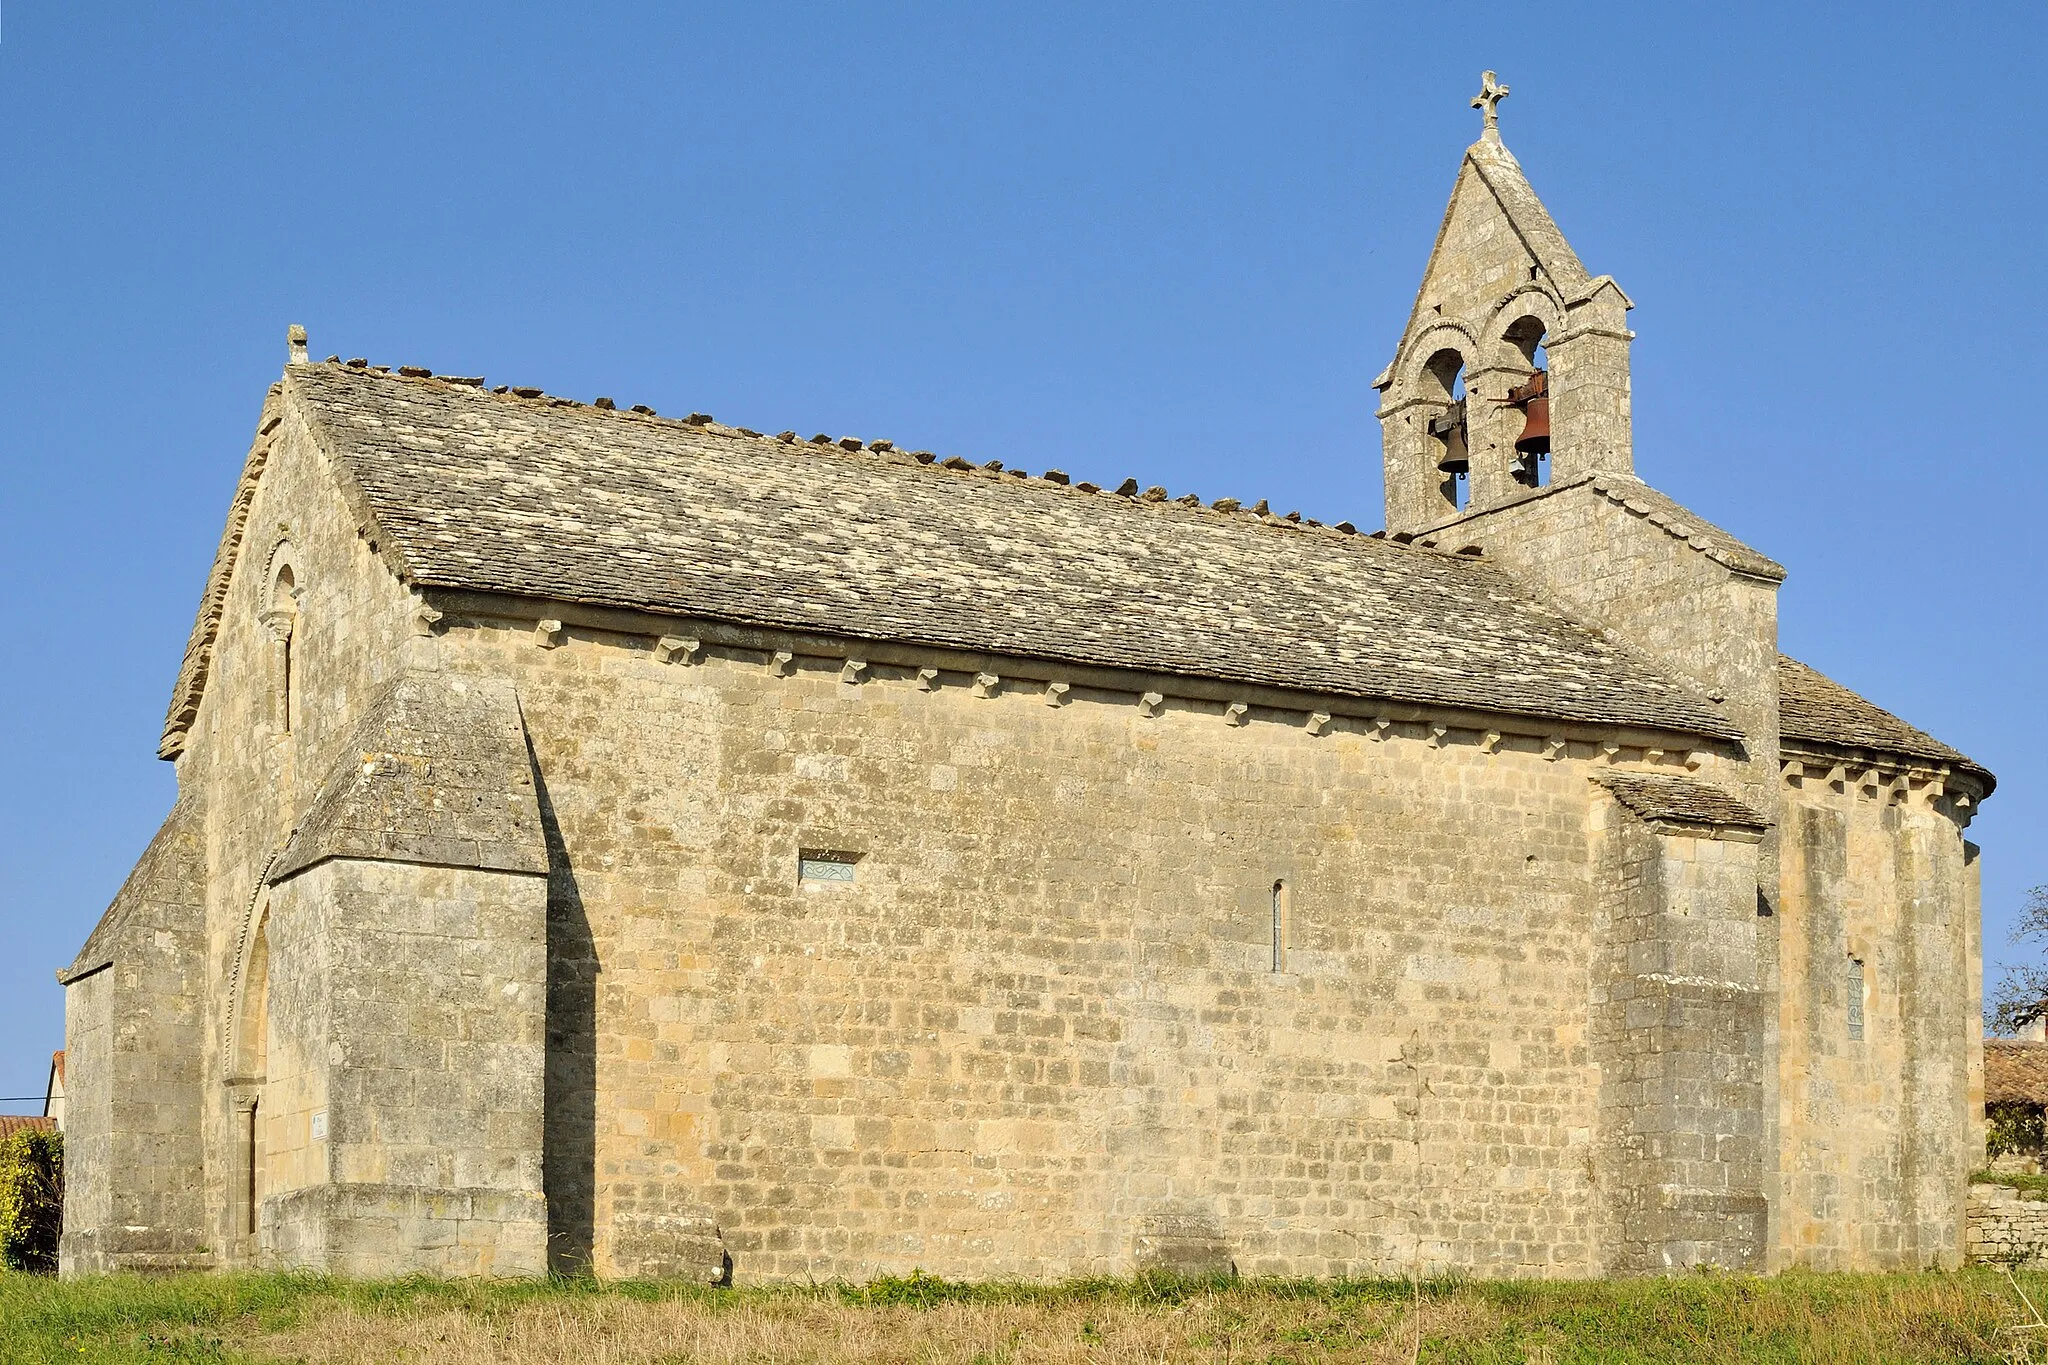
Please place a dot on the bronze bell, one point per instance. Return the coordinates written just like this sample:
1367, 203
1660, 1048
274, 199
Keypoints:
1533, 398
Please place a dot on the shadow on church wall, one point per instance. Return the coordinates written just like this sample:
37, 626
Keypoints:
569, 1142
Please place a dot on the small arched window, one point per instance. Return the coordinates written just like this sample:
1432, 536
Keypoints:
1444, 378
1531, 467
280, 621
1281, 915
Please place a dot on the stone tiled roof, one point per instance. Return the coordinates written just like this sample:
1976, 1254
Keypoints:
2015, 1072
10, 1124
172, 868
547, 498
1684, 800
436, 773
1814, 708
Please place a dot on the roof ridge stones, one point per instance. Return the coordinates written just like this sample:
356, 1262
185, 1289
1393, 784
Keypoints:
704, 422
561, 501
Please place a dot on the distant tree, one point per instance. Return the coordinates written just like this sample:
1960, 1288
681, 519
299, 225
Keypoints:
2022, 987
31, 1200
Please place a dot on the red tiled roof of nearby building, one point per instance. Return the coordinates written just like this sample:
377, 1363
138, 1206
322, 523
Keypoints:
10, 1124
2015, 1072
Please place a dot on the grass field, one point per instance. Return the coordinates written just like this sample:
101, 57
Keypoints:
1976, 1315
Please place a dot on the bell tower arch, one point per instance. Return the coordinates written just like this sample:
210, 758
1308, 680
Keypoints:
1502, 285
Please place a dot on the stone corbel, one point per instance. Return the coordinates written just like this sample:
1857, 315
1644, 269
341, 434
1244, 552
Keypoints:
927, 679
1236, 713
1489, 743
424, 618
1610, 754
678, 648
782, 663
1653, 756
1381, 728
853, 671
1694, 760
1867, 782
1318, 722
547, 634
1793, 772
1838, 778
1439, 736
987, 684
1056, 693
1151, 704
1553, 749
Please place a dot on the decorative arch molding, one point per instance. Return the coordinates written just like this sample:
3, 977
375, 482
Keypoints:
1527, 300
255, 915
282, 565
1408, 368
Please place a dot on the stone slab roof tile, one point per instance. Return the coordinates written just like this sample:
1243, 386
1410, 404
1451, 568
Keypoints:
437, 772
2015, 1072
1816, 709
172, 869
1684, 800
555, 500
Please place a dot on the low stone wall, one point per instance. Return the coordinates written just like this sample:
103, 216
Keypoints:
2007, 1226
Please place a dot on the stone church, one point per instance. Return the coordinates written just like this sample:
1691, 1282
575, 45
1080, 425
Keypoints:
647, 845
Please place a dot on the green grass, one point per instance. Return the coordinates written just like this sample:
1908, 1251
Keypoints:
2038, 1184
1964, 1316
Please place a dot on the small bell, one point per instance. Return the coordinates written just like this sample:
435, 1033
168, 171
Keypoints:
1533, 398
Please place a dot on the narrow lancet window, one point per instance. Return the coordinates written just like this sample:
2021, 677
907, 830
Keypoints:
1855, 999
1280, 926
280, 619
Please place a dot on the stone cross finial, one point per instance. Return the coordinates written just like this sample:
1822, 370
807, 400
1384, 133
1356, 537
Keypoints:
295, 345
1491, 93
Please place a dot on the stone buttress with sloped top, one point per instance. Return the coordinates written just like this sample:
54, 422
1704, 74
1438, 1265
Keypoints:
655, 847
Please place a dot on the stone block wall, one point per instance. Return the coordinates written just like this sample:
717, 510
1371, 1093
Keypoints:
89, 1131
1606, 563
2007, 1226
1680, 1033
1879, 1131
408, 1128
259, 770
1039, 1032
132, 1136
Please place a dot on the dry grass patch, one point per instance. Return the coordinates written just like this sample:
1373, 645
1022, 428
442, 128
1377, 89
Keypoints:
1696, 1320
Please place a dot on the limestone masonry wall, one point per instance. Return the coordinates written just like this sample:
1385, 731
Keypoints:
271, 724
1040, 1029
1879, 1129
413, 1132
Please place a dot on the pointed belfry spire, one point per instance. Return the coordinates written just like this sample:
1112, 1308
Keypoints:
1503, 296
1491, 93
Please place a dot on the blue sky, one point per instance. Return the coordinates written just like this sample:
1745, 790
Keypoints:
1168, 241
